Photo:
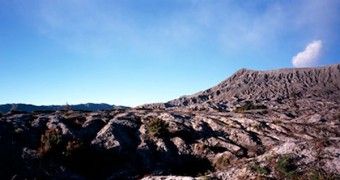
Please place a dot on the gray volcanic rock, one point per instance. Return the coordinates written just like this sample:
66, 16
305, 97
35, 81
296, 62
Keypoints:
294, 137
225, 144
275, 88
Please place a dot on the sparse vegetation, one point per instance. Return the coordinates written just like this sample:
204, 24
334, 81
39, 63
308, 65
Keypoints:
315, 174
73, 146
51, 141
277, 121
222, 162
249, 106
285, 166
337, 116
167, 141
259, 169
157, 127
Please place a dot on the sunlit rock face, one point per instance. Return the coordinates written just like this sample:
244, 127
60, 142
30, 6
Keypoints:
284, 88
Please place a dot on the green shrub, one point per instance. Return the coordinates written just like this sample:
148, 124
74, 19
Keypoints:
259, 170
157, 128
285, 165
249, 106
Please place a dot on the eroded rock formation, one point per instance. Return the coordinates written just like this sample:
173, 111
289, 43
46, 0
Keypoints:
255, 125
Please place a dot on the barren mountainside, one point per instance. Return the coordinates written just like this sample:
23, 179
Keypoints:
272, 87
281, 124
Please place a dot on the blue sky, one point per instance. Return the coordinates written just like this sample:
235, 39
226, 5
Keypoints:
134, 52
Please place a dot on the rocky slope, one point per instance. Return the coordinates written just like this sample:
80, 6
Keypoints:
282, 88
121, 144
283, 137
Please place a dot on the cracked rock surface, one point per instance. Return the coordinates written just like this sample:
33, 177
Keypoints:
291, 137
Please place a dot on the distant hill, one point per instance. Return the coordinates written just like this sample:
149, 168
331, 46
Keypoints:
312, 87
5, 108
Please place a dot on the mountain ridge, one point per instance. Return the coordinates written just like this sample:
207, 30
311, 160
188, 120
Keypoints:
269, 85
5, 108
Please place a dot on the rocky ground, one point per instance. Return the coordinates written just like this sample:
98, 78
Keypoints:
134, 144
281, 124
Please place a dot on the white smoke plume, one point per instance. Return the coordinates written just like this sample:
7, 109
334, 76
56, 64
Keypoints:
309, 56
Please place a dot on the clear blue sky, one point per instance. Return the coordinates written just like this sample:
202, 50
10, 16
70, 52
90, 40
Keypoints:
129, 52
